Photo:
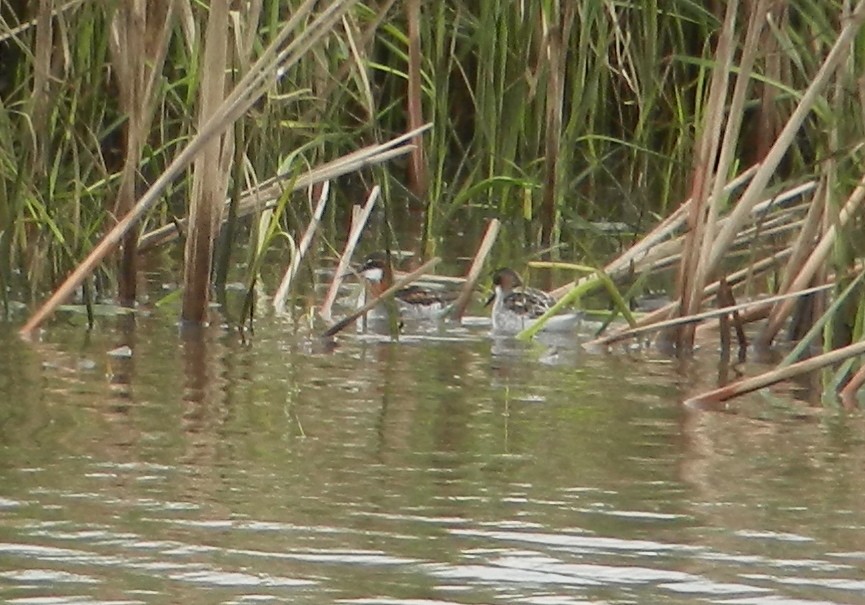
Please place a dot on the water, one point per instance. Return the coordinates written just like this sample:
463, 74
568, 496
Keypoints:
446, 468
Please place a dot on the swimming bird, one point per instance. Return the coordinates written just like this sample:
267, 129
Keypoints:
516, 307
413, 301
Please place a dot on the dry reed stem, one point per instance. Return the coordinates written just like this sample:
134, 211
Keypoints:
804, 243
253, 11
360, 64
660, 255
699, 317
462, 301
358, 223
774, 376
417, 172
848, 393
138, 57
703, 211
41, 80
653, 261
552, 132
733, 126
398, 285
254, 199
297, 255
769, 123
810, 267
209, 183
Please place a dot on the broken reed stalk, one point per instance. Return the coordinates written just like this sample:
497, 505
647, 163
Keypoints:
748, 385
726, 299
462, 301
698, 317
255, 199
300, 252
357, 226
815, 260
209, 174
398, 285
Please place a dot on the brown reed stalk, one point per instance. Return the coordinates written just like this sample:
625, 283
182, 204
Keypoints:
731, 129
702, 316
300, 251
417, 170
398, 285
650, 319
41, 95
816, 259
552, 131
766, 379
139, 44
848, 393
462, 301
768, 123
256, 198
703, 211
209, 182
359, 219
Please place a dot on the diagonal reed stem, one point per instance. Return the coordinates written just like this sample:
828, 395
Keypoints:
398, 285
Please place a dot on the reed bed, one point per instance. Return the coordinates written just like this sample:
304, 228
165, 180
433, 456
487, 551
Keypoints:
124, 128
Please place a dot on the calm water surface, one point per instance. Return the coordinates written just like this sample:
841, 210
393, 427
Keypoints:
445, 468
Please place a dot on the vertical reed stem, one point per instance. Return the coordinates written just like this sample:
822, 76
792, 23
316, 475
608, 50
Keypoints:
205, 214
417, 174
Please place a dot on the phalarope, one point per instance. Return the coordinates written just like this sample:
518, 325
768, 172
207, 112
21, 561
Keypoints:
413, 302
516, 307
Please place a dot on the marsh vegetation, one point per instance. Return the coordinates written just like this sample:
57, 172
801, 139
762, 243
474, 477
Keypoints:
583, 126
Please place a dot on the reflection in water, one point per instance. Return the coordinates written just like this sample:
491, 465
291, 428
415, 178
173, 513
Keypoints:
444, 468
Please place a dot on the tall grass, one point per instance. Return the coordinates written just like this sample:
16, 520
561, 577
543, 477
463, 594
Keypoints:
549, 110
